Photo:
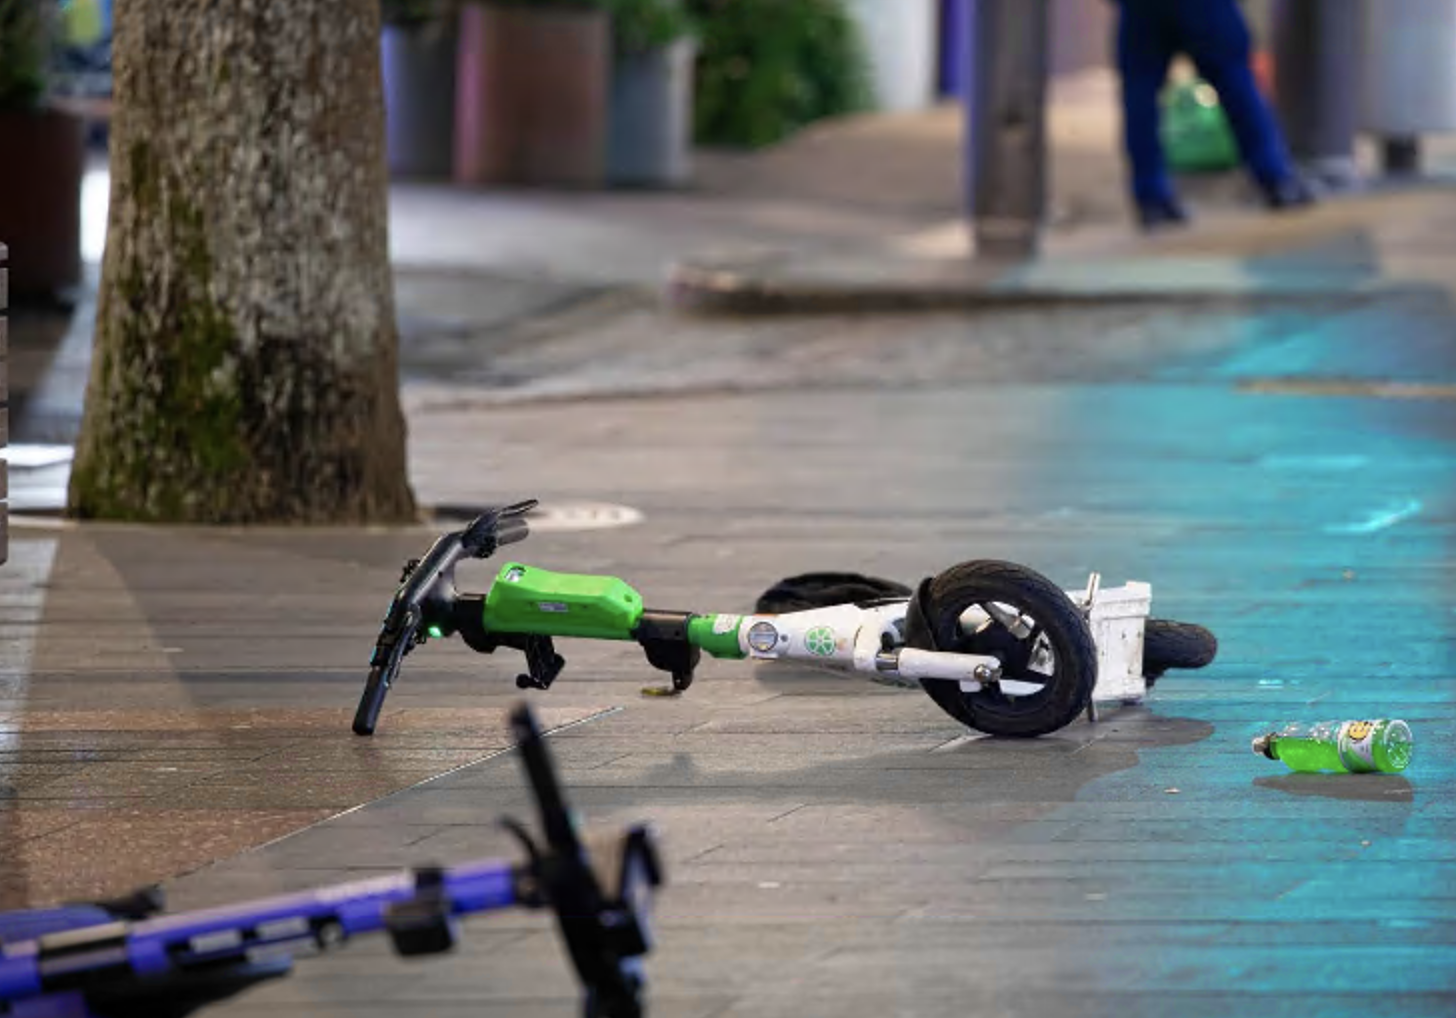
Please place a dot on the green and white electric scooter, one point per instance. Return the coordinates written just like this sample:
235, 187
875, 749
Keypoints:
996, 645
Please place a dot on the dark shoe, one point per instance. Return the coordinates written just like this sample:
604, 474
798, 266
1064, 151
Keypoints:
1289, 193
1161, 215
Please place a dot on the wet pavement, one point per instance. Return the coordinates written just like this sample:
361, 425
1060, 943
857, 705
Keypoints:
832, 845
839, 848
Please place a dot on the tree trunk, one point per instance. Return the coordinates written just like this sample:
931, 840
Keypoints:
245, 367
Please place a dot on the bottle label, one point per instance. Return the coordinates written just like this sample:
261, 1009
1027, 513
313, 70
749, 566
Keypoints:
1357, 745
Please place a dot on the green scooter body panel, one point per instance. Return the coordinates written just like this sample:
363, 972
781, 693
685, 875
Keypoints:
525, 599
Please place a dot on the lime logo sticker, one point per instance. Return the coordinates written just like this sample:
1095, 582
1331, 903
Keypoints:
763, 637
820, 641
725, 624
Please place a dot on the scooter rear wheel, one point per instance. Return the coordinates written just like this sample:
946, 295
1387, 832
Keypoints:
1169, 644
1047, 654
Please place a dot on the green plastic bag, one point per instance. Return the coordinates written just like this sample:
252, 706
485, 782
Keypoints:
1196, 133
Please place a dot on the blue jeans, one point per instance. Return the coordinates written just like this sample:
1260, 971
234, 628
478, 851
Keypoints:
1215, 36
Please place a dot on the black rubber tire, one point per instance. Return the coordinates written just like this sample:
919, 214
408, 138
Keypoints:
1065, 693
1168, 644
819, 590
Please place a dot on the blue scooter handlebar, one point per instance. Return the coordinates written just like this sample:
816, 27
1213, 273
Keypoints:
138, 958
80, 963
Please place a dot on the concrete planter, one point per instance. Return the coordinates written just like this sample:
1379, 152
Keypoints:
532, 96
650, 141
42, 160
419, 100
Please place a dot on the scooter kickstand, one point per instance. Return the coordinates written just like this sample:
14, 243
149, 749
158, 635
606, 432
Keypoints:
681, 680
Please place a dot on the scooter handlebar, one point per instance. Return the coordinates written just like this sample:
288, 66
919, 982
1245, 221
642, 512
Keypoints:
555, 818
495, 527
512, 529
602, 897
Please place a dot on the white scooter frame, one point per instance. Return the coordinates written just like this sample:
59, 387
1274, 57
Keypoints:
870, 641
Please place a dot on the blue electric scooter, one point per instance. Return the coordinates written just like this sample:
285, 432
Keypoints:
125, 959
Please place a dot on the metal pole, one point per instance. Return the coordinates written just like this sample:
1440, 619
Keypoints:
1006, 126
1317, 85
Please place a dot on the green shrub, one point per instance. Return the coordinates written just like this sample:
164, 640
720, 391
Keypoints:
411, 13
636, 24
639, 25
26, 37
768, 67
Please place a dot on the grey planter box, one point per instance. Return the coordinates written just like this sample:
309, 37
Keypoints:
419, 100
650, 139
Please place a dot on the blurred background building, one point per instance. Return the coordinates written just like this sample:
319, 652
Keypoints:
627, 94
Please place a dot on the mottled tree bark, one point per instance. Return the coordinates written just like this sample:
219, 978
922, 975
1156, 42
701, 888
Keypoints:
245, 367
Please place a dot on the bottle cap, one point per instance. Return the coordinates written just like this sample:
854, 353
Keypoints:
1264, 746
1398, 743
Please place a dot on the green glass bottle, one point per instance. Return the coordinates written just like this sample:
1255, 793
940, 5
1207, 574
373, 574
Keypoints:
1352, 747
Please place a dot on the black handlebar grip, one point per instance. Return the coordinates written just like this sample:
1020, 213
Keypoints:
555, 818
489, 531
512, 529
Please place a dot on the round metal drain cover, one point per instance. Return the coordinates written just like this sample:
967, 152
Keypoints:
555, 517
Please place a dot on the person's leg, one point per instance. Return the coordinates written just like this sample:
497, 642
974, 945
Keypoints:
1143, 60
1215, 35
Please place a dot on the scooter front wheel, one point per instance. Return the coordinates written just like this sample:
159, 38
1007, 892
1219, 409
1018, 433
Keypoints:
1046, 650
